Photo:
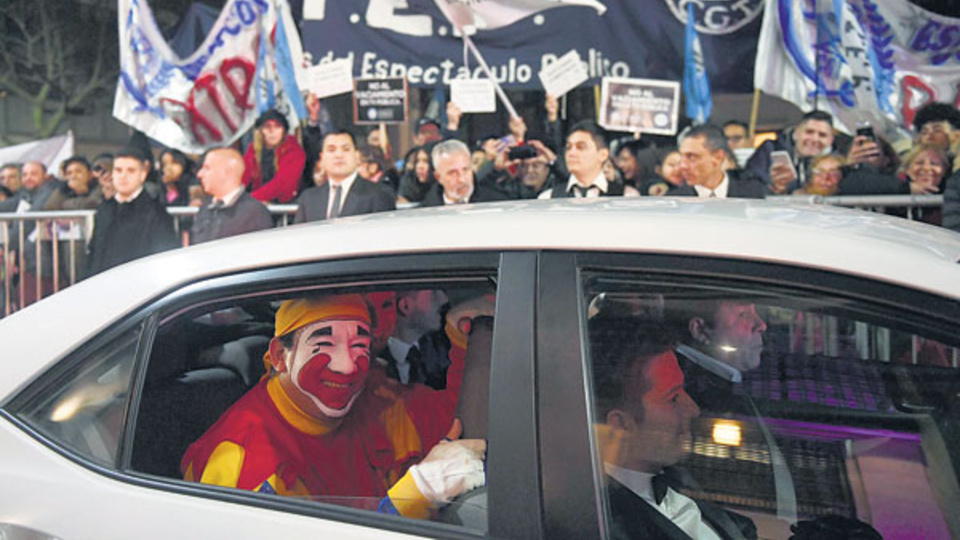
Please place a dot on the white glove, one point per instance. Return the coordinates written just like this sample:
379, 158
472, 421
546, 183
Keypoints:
451, 469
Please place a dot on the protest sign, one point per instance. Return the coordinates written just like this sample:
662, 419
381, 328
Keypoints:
473, 95
644, 105
564, 74
377, 101
330, 78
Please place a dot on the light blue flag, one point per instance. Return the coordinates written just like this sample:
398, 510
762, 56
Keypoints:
696, 85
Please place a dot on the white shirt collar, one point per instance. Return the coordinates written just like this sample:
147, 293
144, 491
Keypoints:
720, 192
231, 198
399, 350
121, 199
600, 182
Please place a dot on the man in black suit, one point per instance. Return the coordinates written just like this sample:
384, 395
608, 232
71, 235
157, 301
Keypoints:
455, 184
230, 210
643, 429
703, 151
408, 356
344, 193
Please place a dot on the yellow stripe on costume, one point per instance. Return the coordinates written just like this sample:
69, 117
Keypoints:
223, 467
408, 500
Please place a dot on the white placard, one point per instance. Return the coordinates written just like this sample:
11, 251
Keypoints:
331, 78
473, 95
564, 74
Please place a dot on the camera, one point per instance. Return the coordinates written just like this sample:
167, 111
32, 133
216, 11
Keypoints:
522, 152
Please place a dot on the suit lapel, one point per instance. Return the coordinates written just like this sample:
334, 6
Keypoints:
323, 201
637, 519
720, 521
352, 198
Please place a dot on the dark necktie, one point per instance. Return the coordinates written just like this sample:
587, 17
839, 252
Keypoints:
335, 209
415, 361
660, 483
582, 191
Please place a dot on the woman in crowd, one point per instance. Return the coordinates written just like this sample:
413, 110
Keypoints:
825, 174
274, 162
177, 176
631, 163
667, 175
925, 169
417, 176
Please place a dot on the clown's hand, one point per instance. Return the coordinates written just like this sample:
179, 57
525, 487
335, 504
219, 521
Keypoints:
451, 469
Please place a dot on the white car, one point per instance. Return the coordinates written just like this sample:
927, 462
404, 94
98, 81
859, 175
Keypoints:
847, 417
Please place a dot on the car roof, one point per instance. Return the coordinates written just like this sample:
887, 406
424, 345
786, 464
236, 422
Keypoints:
852, 242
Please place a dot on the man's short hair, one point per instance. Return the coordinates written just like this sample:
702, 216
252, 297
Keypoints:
936, 112
737, 123
617, 345
76, 159
448, 148
712, 136
599, 135
347, 132
16, 166
373, 154
132, 152
820, 116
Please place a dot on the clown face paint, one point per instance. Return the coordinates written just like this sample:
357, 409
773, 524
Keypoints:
329, 364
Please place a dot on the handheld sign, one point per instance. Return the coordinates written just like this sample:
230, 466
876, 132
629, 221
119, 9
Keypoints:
377, 101
644, 105
331, 78
473, 95
563, 74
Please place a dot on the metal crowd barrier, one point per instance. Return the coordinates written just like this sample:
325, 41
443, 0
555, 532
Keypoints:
874, 203
70, 231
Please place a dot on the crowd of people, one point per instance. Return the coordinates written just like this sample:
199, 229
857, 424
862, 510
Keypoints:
336, 174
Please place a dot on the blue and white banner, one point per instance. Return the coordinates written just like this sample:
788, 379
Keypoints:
619, 38
251, 60
874, 61
696, 84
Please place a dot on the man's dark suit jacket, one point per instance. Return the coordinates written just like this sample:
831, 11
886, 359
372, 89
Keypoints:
633, 517
364, 197
745, 188
124, 232
245, 215
480, 194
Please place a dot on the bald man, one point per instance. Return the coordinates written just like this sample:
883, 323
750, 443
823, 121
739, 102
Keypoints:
230, 210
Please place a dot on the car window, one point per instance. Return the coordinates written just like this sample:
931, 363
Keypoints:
330, 395
82, 407
770, 412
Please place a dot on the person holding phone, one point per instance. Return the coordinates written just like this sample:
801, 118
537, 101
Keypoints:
812, 137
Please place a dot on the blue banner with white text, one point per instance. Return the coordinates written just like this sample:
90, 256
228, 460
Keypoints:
629, 39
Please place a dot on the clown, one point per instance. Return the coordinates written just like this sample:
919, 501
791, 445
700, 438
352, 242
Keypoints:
323, 424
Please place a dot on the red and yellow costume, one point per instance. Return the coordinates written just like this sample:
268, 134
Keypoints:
265, 442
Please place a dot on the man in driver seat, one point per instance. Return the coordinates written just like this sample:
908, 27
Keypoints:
323, 424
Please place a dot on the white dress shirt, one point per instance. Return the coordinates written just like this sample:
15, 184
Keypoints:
594, 190
344, 189
720, 192
399, 350
678, 508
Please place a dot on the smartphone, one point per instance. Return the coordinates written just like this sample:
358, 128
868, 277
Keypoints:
778, 157
866, 131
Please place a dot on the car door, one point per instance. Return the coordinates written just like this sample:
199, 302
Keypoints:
93, 447
808, 403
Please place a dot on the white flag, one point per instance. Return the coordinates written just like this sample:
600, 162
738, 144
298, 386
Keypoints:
491, 14
861, 60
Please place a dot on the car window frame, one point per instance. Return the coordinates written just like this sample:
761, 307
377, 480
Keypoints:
570, 466
313, 275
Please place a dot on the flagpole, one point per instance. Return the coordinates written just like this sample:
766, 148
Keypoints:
486, 69
754, 112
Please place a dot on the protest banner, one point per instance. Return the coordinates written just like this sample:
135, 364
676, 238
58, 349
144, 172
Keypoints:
380, 101
473, 95
563, 75
250, 61
875, 61
639, 105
